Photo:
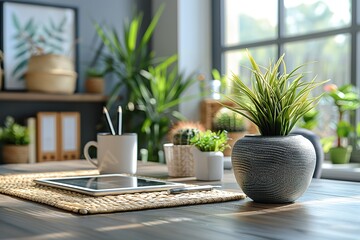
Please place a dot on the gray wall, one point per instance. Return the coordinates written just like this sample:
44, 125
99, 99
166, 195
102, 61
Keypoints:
111, 12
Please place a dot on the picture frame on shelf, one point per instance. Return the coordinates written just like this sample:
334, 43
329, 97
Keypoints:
34, 29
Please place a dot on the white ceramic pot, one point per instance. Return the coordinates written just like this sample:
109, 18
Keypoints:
209, 166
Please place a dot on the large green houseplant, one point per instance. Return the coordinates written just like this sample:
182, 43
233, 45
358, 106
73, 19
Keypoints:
274, 166
150, 91
158, 99
347, 100
128, 54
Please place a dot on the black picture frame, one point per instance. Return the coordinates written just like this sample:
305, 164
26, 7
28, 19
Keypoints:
60, 32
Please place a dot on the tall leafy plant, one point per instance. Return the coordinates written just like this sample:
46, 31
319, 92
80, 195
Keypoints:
158, 101
128, 54
275, 101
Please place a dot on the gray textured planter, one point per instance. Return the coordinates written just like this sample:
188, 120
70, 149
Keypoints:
273, 169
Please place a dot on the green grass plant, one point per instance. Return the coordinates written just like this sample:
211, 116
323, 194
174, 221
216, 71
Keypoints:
276, 100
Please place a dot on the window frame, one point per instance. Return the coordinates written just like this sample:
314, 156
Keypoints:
218, 48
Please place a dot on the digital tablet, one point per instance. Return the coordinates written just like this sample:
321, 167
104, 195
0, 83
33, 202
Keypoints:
108, 184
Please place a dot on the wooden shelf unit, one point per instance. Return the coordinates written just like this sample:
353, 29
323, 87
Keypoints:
30, 96
208, 109
23, 105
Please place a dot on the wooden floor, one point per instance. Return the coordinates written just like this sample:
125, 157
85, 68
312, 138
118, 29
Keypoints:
328, 210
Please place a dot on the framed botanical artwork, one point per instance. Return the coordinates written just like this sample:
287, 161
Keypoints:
32, 29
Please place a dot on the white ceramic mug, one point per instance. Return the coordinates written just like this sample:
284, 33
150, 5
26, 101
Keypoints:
115, 153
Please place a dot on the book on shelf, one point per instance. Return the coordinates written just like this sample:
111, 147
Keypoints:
58, 136
31, 124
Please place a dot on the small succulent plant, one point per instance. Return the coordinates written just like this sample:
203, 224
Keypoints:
183, 136
210, 141
226, 119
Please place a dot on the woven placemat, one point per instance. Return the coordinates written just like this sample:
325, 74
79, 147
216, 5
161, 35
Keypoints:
22, 186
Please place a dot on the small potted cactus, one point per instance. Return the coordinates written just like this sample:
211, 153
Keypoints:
232, 122
178, 155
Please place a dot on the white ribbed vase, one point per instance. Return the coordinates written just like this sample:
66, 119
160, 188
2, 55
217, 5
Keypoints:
273, 169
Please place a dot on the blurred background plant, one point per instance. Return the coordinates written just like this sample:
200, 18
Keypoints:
346, 100
226, 119
95, 72
127, 55
1, 73
150, 88
182, 126
158, 100
233, 123
309, 120
223, 80
183, 136
13, 133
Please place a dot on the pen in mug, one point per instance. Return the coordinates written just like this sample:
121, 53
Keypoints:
105, 111
119, 120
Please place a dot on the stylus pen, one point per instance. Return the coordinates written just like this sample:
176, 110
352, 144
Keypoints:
119, 120
192, 189
105, 111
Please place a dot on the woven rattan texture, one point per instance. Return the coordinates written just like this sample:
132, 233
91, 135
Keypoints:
22, 186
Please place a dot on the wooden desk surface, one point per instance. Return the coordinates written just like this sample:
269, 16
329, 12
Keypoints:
328, 210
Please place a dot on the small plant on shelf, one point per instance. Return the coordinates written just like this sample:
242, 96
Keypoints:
13, 133
15, 139
95, 72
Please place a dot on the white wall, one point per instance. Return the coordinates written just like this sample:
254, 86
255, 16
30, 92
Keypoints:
185, 29
165, 38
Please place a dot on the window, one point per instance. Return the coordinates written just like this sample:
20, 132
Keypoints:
324, 33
